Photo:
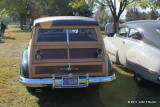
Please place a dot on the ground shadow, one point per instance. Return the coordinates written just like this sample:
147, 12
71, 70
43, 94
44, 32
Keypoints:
20, 31
7, 37
82, 97
148, 95
1, 41
124, 68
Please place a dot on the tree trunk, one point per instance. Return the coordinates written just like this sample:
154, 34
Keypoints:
24, 21
21, 24
115, 24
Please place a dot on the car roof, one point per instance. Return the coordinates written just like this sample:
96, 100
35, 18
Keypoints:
141, 23
150, 30
66, 21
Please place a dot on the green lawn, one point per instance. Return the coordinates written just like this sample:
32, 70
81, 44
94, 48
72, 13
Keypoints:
115, 94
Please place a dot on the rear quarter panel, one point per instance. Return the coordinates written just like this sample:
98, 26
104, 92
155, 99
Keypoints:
110, 48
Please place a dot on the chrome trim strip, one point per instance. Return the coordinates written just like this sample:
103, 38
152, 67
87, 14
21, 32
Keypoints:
111, 53
67, 36
48, 81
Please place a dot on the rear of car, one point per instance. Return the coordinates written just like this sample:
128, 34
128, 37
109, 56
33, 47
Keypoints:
66, 52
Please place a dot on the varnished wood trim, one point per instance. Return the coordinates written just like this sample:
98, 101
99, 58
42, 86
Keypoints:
103, 73
104, 52
57, 69
30, 49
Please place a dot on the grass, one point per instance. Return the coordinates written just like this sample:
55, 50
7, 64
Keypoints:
116, 93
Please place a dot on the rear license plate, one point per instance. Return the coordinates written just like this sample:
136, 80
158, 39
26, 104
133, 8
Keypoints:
70, 81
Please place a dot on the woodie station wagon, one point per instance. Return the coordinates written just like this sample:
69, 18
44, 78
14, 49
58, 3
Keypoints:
65, 52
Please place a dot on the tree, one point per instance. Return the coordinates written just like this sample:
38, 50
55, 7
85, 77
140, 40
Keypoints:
153, 15
112, 4
57, 10
17, 8
134, 14
23, 9
143, 16
102, 15
38, 8
83, 10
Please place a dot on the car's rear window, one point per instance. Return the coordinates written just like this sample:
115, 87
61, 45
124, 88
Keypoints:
62, 35
51, 35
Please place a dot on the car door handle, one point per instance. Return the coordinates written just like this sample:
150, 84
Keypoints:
123, 42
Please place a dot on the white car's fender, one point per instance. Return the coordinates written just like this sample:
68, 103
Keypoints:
144, 58
110, 48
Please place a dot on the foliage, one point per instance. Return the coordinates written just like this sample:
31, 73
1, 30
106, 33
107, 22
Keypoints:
112, 5
57, 10
102, 16
153, 15
18, 8
24, 9
83, 10
153, 4
134, 14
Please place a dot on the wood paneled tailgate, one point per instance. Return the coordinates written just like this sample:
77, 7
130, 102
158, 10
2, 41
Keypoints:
57, 69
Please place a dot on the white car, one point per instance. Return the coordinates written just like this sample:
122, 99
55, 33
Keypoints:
137, 46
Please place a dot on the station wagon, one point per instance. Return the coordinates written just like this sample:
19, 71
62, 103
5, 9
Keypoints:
65, 52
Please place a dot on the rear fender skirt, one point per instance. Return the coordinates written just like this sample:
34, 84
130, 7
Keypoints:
141, 67
24, 65
143, 71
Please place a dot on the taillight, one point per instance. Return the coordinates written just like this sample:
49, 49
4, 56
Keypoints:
38, 54
99, 52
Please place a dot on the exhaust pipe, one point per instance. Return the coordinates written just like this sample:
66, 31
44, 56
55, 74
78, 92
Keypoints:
39, 90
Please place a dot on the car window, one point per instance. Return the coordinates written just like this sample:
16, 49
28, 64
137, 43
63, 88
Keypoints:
133, 33
82, 35
123, 31
52, 35
60, 35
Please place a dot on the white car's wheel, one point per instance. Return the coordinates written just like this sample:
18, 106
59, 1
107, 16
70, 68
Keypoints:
138, 78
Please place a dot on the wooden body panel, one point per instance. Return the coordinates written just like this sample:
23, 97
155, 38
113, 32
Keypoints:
52, 65
72, 50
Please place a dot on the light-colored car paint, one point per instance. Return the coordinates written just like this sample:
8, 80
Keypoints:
138, 52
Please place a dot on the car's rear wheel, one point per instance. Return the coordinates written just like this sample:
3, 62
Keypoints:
138, 78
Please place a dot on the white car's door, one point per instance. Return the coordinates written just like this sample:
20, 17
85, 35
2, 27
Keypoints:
133, 40
119, 41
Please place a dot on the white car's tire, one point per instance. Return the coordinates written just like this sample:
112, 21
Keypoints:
138, 78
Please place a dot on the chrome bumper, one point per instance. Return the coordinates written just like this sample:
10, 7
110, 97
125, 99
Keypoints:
56, 81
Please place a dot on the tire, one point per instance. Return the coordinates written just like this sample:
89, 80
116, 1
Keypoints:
138, 78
